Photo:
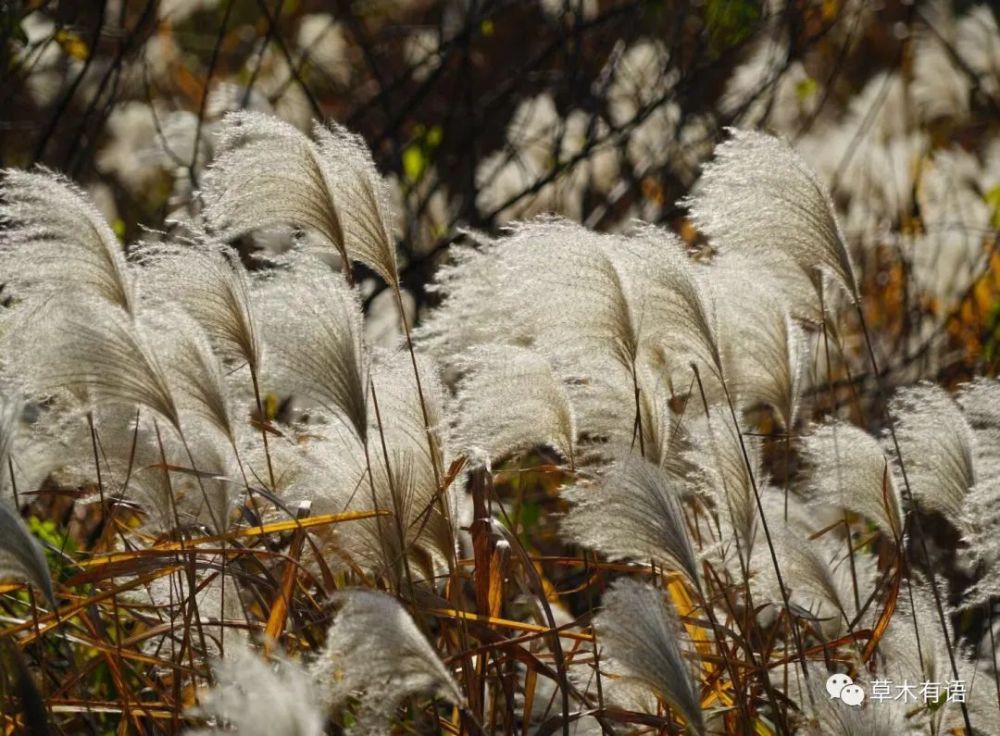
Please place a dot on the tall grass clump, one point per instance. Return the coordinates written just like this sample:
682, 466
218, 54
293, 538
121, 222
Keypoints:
608, 484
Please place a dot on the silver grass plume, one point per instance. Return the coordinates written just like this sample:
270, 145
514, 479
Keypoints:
212, 595
575, 296
550, 285
312, 323
604, 408
722, 475
129, 450
20, 555
766, 351
268, 173
901, 657
329, 471
980, 402
94, 351
10, 417
673, 309
404, 545
376, 654
634, 512
898, 648
830, 717
468, 316
199, 487
400, 406
664, 434
192, 368
759, 194
400, 422
254, 697
209, 496
364, 198
938, 449
211, 284
641, 633
816, 571
510, 400
848, 469
54, 239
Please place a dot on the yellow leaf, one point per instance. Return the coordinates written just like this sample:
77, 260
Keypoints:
72, 44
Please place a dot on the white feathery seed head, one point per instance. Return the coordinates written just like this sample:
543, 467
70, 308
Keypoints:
268, 173
642, 634
255, 697
765, 352
54, 239
364, 198
849, 469
193, 370
980, 402
510, 400
673, 309
311, 321
376, 654
412, 486
211, 284
550, 285
401, 409
938, 449
634, 511
759, 194
721, 474
21, 557
92, 351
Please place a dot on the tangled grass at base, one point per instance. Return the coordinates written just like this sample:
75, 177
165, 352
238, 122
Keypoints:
639, 480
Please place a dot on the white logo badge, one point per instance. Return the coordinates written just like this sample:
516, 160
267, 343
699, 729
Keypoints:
841, 686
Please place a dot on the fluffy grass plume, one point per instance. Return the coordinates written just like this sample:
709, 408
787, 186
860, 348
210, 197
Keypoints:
634, 512
55, 239
643, 636
20, 556
376, 654
268, 173
759, 194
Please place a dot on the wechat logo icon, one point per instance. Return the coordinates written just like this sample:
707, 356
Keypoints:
841, 686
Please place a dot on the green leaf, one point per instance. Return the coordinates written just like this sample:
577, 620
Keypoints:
992, 198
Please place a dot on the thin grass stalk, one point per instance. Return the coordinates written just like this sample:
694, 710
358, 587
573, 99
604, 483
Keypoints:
38, 635
431, 443
188, 565
914, 514
637, 427
767, 533
397, 512
386, 557
593, 630
993, 649
263, 423
904, 567
111, 520
833, 409
13, 483
557, 651
452, 557
750, 624
221, 529
349, 277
